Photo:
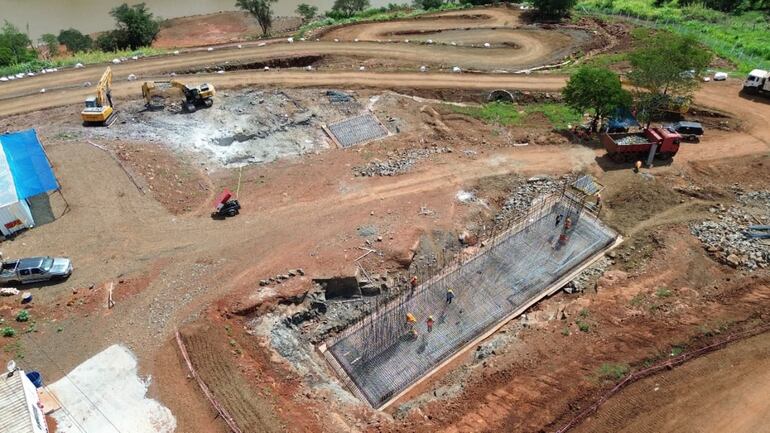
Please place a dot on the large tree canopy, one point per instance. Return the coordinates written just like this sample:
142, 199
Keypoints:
598, 90
667, 63
306, 11
262, 11
15, 46
349, 7
136, 28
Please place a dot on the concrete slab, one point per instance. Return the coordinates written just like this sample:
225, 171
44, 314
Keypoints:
106, 395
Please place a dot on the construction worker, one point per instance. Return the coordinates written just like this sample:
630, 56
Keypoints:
637, 166
429, 322
598, 200
567, 223
413, 281
410, 319
450, 294
558, 219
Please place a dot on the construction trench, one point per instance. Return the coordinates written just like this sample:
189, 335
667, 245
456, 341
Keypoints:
379, 359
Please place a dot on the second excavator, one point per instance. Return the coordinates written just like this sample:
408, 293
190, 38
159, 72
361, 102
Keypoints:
156, 92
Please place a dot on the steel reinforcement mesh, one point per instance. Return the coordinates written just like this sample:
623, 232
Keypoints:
381, 357
357, 130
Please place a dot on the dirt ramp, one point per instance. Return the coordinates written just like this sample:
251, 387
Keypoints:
214, 363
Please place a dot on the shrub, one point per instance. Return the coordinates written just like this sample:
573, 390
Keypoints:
583, 326
8, 331
428, 4
554, 8
14, 46
75, 41
613, 371
22, 316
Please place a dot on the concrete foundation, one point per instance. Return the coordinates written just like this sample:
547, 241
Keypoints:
379, 358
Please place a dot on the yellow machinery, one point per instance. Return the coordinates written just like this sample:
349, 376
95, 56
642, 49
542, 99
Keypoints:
155, 93
98, 110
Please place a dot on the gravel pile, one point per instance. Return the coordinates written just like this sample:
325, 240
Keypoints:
725, 238
589, 276
631, 139
524, 191
398, 162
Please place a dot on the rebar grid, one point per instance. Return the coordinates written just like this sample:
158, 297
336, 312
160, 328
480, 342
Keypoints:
357, 130
523, 258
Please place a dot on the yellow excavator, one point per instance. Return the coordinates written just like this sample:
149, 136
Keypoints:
98, 110
156, 92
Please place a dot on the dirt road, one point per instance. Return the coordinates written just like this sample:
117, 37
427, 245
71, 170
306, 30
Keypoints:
723, 391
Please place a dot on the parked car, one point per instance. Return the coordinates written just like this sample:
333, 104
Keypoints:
35, 269
689, 130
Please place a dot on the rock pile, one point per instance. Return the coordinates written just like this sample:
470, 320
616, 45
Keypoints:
524, 191
725, 238
398, 162
589, 276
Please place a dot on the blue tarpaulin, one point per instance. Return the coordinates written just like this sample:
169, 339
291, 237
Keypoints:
31, 171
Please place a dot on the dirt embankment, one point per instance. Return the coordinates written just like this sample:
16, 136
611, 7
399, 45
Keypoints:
218, 28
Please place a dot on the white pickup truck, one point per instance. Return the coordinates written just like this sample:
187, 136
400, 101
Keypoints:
758, 81
35, 269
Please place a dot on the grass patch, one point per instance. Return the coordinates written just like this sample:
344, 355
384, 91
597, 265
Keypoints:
612, 371
387, 13
501, 113
740, 38
583, 326
86, 58
663, 292
637, 300
676, 350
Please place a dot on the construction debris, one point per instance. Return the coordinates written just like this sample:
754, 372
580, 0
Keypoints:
728, 238
398, 162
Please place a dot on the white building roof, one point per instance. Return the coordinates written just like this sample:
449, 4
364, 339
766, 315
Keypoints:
7, 186
14, 408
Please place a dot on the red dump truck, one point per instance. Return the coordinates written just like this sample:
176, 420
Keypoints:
652, 142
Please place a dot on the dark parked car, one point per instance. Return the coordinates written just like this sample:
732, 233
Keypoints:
689, 130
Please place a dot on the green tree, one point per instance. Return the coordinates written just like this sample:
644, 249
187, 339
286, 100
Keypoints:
348, 8
554, 9
306, 11
15, 46
428, 4
262, 11
75, 41
51, 43
598, 90
136, 26
668, 64
112, 41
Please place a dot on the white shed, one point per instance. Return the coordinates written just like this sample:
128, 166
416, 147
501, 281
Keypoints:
19, 405
15, 214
